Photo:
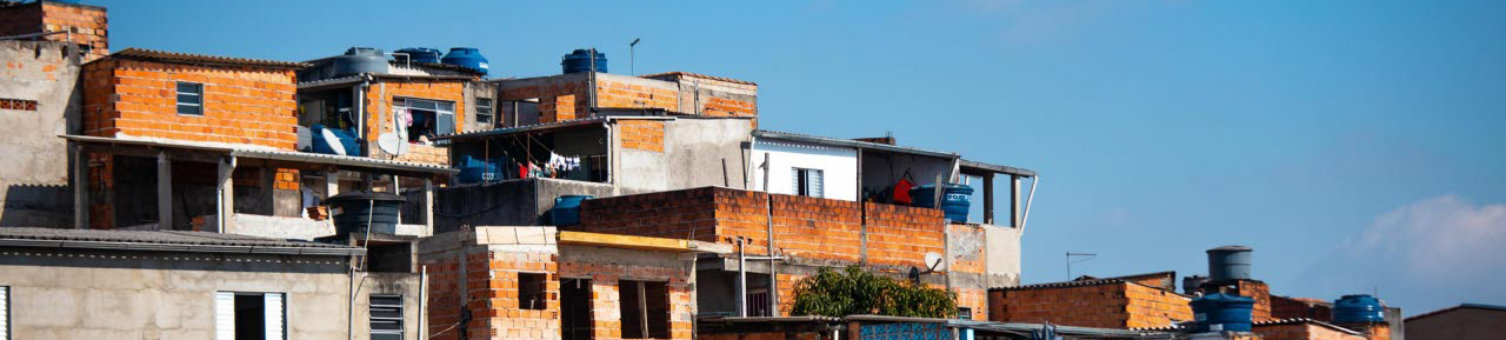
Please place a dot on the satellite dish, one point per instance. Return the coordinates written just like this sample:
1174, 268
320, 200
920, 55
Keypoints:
392, 144
333, 142
933, 261
305, 138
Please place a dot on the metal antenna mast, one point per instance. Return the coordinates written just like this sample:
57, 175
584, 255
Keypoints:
633, 57
1085, 256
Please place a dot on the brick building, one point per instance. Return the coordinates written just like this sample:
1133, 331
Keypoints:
539, 283
82, 25
1105, 303
565, 97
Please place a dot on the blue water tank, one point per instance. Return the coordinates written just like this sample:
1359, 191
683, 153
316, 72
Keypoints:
421, 54
476, 170
579, 61
1360, 308
956, 199
1229, 263
346, 139
466, 57
358, 60
566, 209
1222, 312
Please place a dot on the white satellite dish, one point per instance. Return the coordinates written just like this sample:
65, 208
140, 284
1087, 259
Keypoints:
933, 261
333, 142
305, 138
392, 144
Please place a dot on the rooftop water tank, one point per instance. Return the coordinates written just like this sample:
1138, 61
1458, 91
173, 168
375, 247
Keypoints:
355, 211
956, 199
467, 57
1360, 308
358, 60
421, 54
1229, 263
1219, 312
579, 61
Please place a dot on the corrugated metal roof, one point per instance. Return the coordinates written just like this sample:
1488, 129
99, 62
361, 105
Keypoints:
1082, 283
200, 59
265, 153
187, 241
1297, 321
697, 75
851, 143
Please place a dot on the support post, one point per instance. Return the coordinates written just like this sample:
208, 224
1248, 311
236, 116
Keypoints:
988, 199
331, 183
1014, 201
429, 205
225, 212
164, 192
80, 186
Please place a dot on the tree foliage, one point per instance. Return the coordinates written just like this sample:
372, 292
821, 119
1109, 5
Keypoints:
855, 291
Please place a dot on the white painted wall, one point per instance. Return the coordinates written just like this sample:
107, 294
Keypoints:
839, 167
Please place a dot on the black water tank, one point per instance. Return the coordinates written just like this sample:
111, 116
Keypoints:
358, 60
1229, 263
354, 212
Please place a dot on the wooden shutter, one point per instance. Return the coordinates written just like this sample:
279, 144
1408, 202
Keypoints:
224, 316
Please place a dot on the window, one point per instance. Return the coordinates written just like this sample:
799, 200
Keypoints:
531, 290
964, 313
808, 182
484, 112
244, 316
386, 317
645, 309
429, 117
190, 98
521, 112
575, 309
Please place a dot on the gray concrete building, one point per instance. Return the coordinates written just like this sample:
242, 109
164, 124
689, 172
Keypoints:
39, 100
100, 284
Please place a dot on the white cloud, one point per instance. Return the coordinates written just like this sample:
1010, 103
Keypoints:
1421, 256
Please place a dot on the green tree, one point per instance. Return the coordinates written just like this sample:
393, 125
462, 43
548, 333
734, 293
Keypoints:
856, 291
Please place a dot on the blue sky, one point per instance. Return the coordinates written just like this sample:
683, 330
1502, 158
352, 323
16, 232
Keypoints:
1358, 146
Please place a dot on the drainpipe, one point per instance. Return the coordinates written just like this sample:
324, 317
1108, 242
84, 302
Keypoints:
742, 278
359, 103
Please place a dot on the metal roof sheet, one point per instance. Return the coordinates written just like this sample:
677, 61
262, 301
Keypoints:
201, 59
851, 143
267, 153
184, 241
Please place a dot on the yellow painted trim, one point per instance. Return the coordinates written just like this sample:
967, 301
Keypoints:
640, 242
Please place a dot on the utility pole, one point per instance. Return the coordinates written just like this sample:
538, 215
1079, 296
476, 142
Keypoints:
633, 57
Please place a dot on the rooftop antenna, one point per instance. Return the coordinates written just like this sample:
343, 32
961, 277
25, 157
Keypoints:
1085, 256
632, 57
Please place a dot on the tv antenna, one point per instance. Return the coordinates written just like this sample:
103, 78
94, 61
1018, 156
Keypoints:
1083, 257
633, 57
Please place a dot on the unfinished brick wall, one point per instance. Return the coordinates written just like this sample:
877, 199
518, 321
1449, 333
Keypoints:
1154, 307
900, 235
1108, 304
88, 25
619, 94
1261, 293
241, 105
606, 272
1289, 308
713, 96
645, 135
379, 119
488, 288
1301, 331
568, 96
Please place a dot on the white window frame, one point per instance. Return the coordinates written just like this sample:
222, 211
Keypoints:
371, 317
815, 188
5, 323
274, 306
198, 107
441, 108
491, 112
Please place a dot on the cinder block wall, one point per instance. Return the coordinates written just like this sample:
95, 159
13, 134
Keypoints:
566, 97
89, 25
1109, 304
246, 106
379, 118
1154, 307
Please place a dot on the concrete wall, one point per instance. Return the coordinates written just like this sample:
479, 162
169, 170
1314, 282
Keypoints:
690, 153
838, 165
88, 295
34, 185
1003, 256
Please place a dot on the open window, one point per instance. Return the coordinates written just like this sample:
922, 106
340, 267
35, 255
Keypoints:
645, 309
531, 291
520, 112
244, 316
429, 118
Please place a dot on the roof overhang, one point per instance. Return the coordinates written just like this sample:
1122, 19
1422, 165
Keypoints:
578, 238
974, 166
861, 145
342, 162
191, 248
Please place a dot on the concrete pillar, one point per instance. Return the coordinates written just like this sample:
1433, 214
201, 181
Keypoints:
164, 192
225, 212
331, 183
80, 187
429, 205
1014, 201
397, 189
988, 199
